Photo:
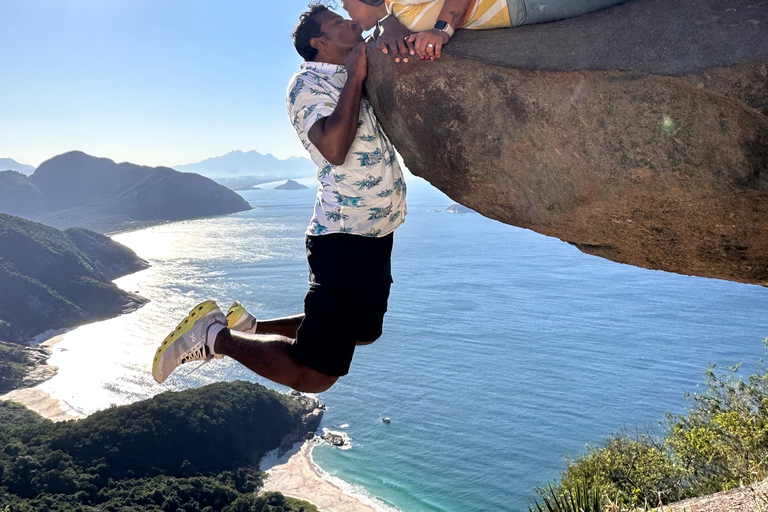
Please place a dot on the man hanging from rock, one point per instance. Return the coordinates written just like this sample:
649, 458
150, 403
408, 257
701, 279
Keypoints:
360, 203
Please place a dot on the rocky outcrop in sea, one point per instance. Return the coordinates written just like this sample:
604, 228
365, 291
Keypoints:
312, 414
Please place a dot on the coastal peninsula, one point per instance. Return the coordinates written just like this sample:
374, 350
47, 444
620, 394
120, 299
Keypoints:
51, 280
194, 449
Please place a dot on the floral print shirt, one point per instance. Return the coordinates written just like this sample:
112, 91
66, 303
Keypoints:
366, 194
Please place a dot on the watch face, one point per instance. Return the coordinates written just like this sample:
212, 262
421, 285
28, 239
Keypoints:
440, 25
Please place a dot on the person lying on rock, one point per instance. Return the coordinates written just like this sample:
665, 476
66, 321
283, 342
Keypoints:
422, 27
360, 203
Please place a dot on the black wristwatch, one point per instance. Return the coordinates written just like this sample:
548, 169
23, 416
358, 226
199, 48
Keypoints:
443, 26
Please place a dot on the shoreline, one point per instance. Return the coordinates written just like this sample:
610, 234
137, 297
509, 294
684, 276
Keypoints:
296, 474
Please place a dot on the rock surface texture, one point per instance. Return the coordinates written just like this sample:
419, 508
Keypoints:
638, 133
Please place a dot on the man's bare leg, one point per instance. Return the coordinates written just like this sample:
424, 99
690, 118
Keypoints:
270, 356
286, 326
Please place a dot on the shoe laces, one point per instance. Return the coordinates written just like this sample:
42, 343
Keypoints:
200, 353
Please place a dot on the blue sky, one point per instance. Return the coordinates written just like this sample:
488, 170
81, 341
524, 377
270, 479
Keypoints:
155, 82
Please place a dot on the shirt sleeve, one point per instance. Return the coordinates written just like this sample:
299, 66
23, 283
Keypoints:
417, 15
307, 104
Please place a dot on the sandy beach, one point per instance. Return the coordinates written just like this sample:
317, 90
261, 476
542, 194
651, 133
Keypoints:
43, 404
296, 475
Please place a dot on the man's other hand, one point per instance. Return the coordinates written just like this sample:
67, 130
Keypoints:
357, 62
393, 40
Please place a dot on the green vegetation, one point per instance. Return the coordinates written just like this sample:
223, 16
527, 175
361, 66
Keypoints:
52, 279
194, 451
14, 366
582, 498
719, 444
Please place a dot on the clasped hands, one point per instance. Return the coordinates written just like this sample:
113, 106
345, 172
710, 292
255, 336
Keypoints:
398, 41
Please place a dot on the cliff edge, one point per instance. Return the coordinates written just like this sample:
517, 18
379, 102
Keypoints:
638, 133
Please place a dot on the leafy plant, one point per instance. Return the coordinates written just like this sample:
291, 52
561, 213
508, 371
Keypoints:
581, 497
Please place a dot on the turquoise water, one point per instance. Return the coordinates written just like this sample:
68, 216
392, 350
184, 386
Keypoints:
503, 350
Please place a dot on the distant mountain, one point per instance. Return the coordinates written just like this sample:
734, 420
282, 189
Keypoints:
253, 164
52, 279
75, 189
9, 164
18, 195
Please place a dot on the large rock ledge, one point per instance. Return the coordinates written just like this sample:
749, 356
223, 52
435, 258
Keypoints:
638, 133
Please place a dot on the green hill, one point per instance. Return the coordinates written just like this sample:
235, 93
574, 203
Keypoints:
76, 189
195, 450
52, 279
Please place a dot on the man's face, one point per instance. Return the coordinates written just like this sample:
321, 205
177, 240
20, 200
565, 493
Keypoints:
339, 32
365, 15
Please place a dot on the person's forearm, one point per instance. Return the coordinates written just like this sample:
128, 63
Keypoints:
454, 12
337, 132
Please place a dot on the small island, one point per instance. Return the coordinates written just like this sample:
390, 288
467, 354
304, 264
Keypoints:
291, 185
459, 208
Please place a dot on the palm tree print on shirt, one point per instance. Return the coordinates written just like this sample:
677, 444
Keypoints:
369, 182
379, 213
399, 186
295, 90
343, 200
336, 215
317, 229
368, 158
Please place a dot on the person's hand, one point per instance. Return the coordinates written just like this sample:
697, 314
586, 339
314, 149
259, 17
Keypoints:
429, 44
393, 40
357, 62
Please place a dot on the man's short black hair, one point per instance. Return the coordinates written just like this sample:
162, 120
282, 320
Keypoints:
306, 29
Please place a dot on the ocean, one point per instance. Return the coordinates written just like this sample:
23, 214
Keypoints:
503, 350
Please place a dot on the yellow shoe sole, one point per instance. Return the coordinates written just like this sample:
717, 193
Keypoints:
184, 326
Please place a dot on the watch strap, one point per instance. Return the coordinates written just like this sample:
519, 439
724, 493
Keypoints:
443, 26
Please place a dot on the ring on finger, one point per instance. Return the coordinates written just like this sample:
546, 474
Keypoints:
430, 45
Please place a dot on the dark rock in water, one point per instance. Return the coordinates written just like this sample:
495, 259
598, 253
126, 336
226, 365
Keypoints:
638, 133
290, 185
52, 279
459, 208
75, 189
334, 439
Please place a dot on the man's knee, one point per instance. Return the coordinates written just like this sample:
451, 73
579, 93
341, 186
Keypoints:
312, 381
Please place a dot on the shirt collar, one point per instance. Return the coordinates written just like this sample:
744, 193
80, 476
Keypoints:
324, 67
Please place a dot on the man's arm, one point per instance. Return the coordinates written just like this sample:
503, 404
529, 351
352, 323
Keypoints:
334, 135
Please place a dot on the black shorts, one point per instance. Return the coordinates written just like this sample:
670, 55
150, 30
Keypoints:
349, 281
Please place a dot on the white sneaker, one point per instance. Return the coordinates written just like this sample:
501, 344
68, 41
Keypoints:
238, 319
188, 342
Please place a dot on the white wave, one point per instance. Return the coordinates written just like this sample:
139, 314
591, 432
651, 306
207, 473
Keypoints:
352, 490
